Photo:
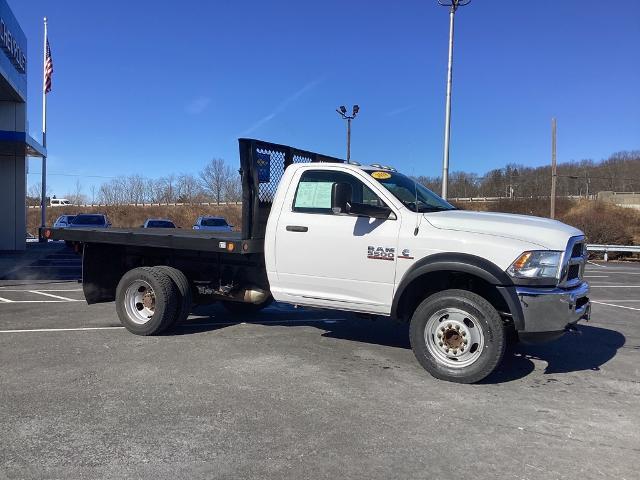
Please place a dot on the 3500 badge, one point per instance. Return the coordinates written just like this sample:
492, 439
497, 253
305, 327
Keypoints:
381, 253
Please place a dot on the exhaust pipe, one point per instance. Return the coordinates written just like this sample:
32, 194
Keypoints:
250, 295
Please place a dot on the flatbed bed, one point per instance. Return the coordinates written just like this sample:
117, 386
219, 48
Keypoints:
176, 239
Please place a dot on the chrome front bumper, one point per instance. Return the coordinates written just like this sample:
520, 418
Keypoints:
553, 309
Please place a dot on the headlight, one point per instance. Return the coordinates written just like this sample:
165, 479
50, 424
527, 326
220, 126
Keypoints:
536, 264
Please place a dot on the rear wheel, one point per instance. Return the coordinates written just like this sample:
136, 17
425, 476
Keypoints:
182, 284
241, 308
457, 336
146, 301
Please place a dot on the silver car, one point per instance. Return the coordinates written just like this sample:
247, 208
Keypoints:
63, 221
90, 220
212, 224
158, 223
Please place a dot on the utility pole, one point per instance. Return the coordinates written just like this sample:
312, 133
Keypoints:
554, 170
342, 111
588, 180
453, 4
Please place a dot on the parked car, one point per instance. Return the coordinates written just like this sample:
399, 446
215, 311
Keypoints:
90, 220
158, 223
212, 224
59, 202
63, 221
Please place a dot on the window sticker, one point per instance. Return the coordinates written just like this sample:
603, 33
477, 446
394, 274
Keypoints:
380, 175
314, 195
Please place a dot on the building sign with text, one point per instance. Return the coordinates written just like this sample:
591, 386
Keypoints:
13, 59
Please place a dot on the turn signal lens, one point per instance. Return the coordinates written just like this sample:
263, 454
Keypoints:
230, 247
522, 260
47, 233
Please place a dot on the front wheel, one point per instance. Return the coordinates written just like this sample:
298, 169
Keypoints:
457, 336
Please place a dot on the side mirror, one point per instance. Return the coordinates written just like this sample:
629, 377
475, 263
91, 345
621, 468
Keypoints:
372, 211
341, 194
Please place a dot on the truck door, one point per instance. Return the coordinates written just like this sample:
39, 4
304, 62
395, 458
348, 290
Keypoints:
329, 259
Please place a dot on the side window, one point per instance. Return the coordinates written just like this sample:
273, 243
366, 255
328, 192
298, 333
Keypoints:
313, 194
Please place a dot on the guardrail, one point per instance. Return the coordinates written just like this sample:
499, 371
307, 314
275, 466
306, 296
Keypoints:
146, 204
612, 248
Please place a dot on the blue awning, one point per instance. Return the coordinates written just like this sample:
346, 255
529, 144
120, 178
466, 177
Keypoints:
20, 143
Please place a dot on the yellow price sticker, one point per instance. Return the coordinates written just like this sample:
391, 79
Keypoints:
380, 175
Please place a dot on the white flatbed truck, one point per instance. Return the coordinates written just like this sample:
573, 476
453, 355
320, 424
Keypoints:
323, 233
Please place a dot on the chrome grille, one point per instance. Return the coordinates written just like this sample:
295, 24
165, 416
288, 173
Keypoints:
573, 262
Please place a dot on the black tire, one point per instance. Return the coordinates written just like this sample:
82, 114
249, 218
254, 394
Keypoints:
241, 308
164, 294
184, 288
440, 316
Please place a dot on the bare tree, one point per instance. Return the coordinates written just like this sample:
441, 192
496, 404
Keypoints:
76, 197
188, 189
34, 194
165, 189
233, 189
215, 177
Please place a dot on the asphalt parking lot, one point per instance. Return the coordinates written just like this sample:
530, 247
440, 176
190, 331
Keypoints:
307, 394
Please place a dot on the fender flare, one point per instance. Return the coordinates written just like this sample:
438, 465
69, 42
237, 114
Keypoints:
463, 263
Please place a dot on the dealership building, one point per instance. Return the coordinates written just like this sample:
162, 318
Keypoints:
16, 145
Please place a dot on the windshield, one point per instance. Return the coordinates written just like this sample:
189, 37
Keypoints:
213, 222
88, 220
160, 224
414, 196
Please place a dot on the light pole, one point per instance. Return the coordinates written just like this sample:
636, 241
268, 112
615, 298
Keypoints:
453, 6
342, 111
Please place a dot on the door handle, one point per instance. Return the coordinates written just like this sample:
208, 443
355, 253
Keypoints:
297, 228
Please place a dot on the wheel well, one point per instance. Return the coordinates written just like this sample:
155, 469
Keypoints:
433, 282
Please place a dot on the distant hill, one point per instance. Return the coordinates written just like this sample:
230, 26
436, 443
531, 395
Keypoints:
620, 173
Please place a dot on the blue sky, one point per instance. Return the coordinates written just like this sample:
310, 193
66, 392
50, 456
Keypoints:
154, 87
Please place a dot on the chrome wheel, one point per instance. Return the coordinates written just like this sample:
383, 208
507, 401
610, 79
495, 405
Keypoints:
140, 302
454, 337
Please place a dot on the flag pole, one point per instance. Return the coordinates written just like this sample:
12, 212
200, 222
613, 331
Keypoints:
43, 200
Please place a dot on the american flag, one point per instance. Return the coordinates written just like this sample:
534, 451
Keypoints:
48, 69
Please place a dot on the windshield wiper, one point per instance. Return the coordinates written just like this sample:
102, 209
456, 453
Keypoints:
434, 208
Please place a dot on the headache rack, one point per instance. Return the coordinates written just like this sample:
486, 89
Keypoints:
262, 165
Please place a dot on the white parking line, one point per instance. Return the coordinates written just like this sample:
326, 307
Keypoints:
41, 301
597, 265
185, 325
613, 286
61, 329
5, 300
41, 290
52, 296
596, 276
618, 301
613, 305
51, 266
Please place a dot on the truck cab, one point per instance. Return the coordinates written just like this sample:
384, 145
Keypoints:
369, 239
